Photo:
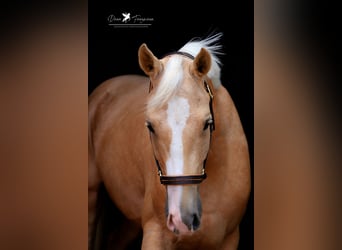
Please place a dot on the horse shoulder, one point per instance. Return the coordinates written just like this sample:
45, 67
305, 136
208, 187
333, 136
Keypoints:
115, 134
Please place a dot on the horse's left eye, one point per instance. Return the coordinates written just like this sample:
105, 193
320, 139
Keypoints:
207, 124
150, 127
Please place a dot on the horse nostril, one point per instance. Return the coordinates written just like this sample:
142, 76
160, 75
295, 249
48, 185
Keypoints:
192, 221
195, 222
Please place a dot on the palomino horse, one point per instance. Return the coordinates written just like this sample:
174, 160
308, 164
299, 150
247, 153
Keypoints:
171, 152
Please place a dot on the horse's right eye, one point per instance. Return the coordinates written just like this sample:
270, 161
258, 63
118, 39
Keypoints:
150, 127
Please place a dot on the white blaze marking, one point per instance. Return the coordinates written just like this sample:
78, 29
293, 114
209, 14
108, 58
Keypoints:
178, 111
177, 114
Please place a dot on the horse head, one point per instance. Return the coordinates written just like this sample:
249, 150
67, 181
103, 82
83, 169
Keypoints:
180, 119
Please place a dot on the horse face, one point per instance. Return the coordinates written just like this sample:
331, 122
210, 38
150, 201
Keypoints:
178, 117
180, 135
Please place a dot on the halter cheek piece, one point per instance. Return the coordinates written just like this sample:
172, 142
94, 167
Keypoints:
187, 179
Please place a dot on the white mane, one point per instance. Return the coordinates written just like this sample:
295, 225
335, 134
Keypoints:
210, 43
173, 73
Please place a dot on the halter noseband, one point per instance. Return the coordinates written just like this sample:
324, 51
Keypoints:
187, 179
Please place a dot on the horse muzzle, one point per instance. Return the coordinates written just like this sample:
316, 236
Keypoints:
183, 209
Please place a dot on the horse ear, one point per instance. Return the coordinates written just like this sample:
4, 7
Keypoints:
202, 62
148, 62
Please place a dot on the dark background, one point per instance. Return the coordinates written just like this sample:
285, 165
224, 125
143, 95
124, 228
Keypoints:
44, 86
114, 51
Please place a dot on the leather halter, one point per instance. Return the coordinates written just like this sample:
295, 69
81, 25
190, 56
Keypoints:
187, 179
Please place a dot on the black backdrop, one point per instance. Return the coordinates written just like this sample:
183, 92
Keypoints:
113, 51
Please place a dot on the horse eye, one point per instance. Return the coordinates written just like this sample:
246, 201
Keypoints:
150, 127
207, 123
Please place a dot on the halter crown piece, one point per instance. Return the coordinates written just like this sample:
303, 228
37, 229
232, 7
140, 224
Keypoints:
187, 179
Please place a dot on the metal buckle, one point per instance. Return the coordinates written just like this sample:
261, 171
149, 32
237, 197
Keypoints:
209, 90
